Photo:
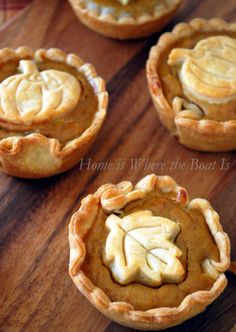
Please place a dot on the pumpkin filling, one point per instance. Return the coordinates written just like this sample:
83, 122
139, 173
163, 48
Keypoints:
175, 253
49, 98
134, 8
198, 74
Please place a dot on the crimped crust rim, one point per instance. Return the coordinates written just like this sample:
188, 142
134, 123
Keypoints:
130, 20
13, 144
168, 39
81, 223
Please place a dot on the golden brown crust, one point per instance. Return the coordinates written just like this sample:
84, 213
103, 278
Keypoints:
35, 155
123, 27
192, 131
118, 196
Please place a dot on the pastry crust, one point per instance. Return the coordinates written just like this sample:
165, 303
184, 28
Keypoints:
190, 126
140, 248
114, 197
34, 155
122, 27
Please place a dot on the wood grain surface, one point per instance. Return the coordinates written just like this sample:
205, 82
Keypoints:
36, 293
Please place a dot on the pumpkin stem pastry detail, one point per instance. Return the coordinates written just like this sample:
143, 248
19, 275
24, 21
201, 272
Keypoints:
125, 19
135, 254
52, 106
40, 96
192, 80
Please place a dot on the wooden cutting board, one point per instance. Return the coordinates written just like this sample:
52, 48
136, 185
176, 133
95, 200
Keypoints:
36, 293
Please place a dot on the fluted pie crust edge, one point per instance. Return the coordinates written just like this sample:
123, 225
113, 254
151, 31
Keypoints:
195, 133
35, 155
114, 197
124, 27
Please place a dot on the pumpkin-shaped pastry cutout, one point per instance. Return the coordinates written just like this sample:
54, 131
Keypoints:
210, 68
32, 96
191, 74
52, 106
208, 75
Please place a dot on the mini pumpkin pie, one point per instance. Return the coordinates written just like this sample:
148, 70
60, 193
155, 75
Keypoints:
52, 106
135, 253
192, 80
125, 19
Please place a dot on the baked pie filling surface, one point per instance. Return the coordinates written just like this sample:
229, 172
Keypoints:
207, 74
140, 248
151, 254
52, 106
191, 76
135, 8
146, 256
49, 98
199, 74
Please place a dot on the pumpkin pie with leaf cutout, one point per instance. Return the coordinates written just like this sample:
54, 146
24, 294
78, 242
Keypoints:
192, 79
52, 106
125, 19
135, 254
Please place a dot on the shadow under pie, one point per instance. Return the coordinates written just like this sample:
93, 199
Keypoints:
146, 257
52, 107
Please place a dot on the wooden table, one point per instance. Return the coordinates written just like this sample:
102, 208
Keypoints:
10, 8
36, 291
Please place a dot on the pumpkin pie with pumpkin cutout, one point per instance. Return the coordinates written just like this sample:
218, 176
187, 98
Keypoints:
135, 254
125, 19
192, 79
52, 106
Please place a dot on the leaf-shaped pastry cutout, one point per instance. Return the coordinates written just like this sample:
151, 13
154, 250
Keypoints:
209, 70
33, 96
140, 247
